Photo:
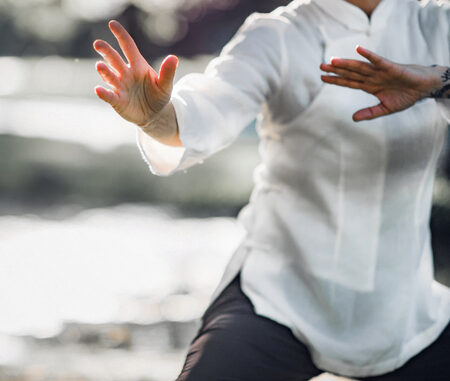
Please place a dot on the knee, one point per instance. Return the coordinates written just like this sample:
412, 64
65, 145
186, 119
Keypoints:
205, 358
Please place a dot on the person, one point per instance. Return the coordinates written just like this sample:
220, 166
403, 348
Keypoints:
335, 271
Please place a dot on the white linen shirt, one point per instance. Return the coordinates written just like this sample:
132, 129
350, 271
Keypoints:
338, 240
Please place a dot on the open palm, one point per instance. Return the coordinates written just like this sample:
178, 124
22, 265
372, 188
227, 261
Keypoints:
396, 86
138, 92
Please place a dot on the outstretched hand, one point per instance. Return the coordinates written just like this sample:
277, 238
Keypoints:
138, 91
397, 86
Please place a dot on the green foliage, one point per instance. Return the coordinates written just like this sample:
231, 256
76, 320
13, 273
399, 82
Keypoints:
41, 173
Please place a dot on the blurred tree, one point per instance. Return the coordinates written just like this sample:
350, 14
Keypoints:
182, 27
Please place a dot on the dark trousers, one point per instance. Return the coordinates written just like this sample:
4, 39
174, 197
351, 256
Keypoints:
236, 344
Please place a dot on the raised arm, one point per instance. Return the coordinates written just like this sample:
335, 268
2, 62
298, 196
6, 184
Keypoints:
183, 124
139, 94
213, 107
397, 86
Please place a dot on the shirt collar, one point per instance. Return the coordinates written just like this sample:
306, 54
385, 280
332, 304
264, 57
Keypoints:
352, 16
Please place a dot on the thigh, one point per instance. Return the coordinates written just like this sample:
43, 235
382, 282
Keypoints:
236, 344
431, 364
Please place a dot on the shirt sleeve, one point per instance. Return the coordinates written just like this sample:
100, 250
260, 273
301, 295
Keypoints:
444, 106
443, 103
212, 108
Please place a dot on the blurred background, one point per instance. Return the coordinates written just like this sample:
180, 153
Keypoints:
105, 269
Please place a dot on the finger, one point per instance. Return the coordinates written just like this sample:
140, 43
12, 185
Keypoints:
371, 113
107, 74
167, 73
377, 60
126, 42
107, 95
344, 73
334, 80
360, 67
110, 55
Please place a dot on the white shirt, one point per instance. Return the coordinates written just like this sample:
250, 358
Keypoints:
338, 240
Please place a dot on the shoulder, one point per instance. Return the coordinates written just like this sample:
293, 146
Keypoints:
430, 19
259, 33
434, 17
297, 14
425, 10
430, 16
431, 10
434, 5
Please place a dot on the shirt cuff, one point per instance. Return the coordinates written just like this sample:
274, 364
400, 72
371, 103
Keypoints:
444, 106
165, 160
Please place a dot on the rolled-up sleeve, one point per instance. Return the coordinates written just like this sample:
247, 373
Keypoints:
212, 108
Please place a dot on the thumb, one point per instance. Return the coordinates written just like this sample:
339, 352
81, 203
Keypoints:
167, 73
371, 113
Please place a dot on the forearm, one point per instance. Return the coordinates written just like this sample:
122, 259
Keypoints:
440, 83
164, 127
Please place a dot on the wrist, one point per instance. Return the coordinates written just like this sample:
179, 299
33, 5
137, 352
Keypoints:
153, 120
163, 126
439, 82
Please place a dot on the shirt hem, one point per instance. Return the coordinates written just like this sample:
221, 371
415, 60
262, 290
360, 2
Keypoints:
412, 348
